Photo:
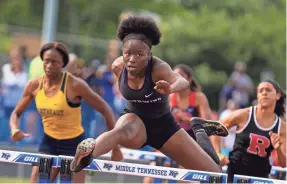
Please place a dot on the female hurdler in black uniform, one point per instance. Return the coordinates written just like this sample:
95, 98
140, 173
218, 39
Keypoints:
145, 82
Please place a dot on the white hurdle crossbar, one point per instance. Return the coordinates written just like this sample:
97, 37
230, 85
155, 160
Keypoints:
120, 167
256, 180
130, 154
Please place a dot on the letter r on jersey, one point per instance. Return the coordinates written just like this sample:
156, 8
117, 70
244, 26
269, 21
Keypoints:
258, 145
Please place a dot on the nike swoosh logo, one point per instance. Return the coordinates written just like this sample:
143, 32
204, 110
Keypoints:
148, 95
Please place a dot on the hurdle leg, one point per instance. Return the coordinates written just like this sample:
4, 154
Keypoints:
45, 166
217, 179
241, 180
66, 175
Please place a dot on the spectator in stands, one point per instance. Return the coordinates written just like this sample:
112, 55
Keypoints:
107, 81
239, 87
24, 54
94, 79
14, 80
91, 77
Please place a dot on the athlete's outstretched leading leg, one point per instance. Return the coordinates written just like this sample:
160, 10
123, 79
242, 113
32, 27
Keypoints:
129, 132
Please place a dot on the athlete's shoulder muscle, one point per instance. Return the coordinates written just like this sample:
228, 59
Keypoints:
117, 66
158, 64
76, 83
161, 70
32, 86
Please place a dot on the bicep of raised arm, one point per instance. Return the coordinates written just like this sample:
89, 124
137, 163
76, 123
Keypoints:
164, 72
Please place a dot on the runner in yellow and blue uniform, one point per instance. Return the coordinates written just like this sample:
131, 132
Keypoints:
58, 99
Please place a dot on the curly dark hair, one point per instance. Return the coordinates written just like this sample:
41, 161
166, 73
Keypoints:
60, 47
140, 25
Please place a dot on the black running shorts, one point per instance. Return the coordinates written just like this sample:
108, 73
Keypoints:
158, 130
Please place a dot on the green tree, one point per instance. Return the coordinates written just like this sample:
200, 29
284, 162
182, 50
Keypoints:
4, 39
211, 37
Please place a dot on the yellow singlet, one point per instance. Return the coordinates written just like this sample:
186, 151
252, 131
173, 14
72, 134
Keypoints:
61, 119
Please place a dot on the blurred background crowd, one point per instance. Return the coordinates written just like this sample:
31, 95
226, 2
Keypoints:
231, 46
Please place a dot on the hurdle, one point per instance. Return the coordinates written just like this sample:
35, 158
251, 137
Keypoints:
256, 180
130, 154
46, 162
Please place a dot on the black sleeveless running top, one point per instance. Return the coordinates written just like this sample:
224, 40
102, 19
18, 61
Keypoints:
252, 147
146, 101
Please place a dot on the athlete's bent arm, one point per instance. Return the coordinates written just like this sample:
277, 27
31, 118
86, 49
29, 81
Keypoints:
203, 105
281, 150
162, 71
95, 101
22, 105
233, 119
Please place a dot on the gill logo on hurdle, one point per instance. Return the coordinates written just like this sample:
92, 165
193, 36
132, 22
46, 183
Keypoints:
22, 157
